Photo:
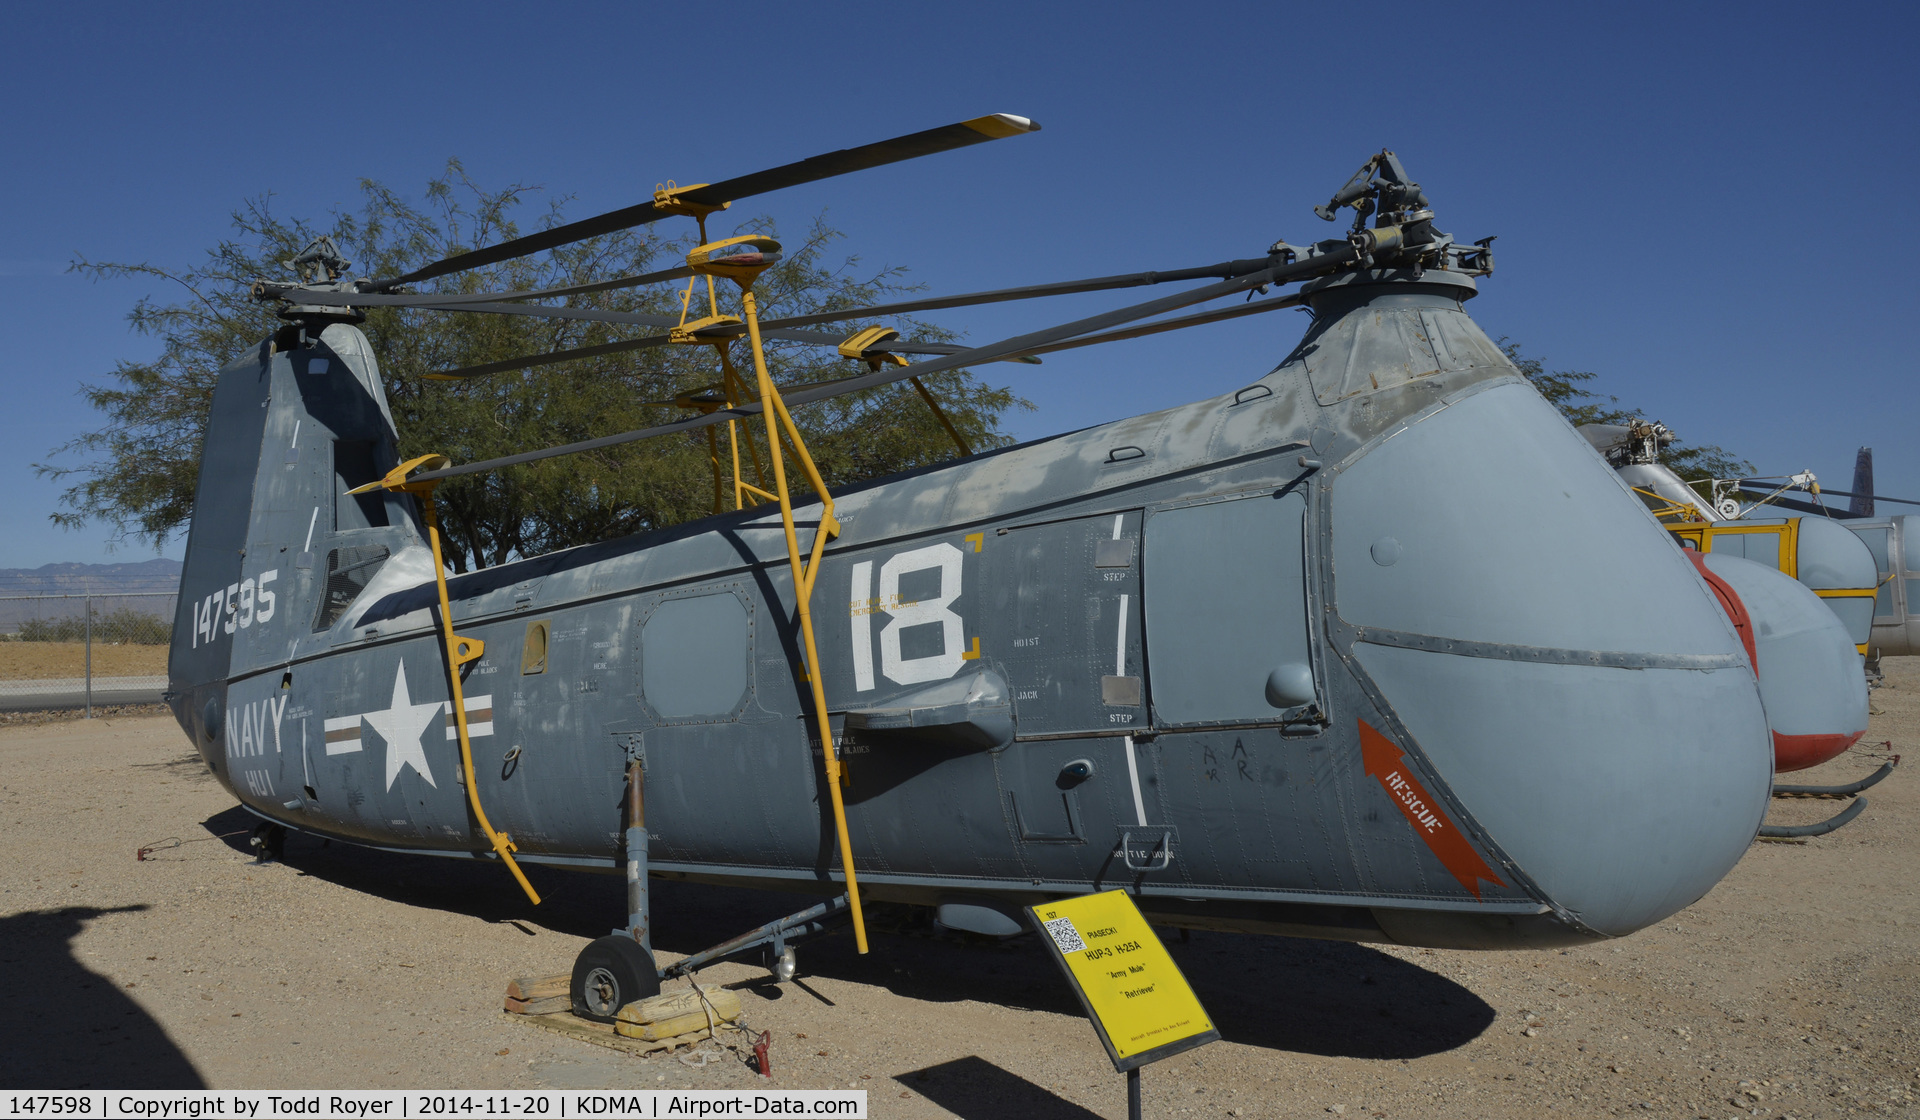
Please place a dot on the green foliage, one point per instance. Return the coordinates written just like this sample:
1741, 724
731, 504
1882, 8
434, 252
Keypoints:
1566, 390
138, 470
134, 627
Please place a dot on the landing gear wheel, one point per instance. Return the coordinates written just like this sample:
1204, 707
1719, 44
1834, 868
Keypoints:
609, 974
784, 966
269, 842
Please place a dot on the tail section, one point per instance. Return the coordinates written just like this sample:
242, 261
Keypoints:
1862, 504
277, 549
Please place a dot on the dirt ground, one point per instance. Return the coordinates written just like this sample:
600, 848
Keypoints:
1788, 991
41, 661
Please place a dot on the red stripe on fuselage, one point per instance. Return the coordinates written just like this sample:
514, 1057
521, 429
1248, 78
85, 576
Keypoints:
1729, 602
1797, 752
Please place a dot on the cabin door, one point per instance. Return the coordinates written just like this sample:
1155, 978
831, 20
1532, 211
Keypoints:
1064, 598
1226, 612
728, 782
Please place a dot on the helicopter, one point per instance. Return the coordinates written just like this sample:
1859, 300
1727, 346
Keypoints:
1800, 589
1277, 661
1836, 570
1892, 539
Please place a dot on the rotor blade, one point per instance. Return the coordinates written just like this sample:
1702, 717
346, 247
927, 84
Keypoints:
784, 390
1782, 502
1005, 348
1165, 325
596, 315
719, 333
661, 277
511, 364
1744, 484
774, 328
975, 131
1026, 343
445, 300
482, 304
1224, 270
648, 319
1875, 497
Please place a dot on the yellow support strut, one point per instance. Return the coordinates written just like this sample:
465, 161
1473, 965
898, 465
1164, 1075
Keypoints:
460, 650
804, 574
742, 260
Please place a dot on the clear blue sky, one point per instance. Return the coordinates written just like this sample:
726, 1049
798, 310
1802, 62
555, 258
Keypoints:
1705, 205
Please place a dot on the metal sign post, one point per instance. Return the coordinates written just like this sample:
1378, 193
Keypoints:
89, 668
1139, 1002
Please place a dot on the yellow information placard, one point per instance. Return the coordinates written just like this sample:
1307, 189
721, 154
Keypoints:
1140, 1004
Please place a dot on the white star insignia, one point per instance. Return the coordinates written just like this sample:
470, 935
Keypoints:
401, 725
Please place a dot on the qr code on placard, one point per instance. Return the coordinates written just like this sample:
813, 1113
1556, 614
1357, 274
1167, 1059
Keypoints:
1064, 935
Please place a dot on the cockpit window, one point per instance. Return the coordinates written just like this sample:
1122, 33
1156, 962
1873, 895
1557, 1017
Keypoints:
349, 570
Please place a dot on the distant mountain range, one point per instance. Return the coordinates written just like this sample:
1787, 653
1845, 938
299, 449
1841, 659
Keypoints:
158, 574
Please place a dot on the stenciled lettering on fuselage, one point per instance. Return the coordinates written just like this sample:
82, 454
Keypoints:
403, 725
234, 607
251, 726
904, 614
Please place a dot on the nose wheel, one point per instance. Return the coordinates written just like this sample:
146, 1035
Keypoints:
784, 965
609, 974
269, 843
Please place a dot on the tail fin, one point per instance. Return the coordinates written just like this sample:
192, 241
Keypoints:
276, 548
1862, 504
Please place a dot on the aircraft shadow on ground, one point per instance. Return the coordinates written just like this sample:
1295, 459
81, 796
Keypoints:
973, 1088
584, 905
1314, 997
88, 1033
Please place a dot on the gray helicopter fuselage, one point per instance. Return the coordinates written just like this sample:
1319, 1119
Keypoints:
1372, 647
1895, 544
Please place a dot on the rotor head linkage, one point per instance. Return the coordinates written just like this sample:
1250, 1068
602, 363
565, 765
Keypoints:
1380, 185
320, 262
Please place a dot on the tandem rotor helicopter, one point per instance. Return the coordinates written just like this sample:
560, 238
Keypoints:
1282, 660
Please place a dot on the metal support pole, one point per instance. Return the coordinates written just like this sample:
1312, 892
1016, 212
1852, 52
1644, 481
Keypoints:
807, 923
1133, 1093
637, 908
89, 657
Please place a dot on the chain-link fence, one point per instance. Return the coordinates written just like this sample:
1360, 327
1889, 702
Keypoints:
84, 651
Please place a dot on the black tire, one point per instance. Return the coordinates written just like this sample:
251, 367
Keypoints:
609, 974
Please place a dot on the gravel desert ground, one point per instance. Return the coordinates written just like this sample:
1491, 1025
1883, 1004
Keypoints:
1788, 991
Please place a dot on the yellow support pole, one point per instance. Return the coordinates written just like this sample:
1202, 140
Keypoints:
737, 385
459, 651
713, 457
803, 587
